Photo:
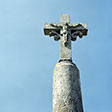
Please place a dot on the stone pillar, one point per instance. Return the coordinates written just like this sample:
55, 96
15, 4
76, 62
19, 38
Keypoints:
66, 80
66, 88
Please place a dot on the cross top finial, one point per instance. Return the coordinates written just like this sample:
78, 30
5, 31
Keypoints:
65, 18
65, 32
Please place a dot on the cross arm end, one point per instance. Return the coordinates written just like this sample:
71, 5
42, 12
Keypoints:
83, 28
52, 27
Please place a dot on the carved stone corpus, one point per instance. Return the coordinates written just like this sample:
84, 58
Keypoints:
65, 32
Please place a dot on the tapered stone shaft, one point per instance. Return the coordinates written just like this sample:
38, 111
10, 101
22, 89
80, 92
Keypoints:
66, 88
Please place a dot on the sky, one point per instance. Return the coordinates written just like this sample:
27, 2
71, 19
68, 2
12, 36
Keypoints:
28, 57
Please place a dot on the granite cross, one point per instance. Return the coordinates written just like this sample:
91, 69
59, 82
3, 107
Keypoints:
65, 32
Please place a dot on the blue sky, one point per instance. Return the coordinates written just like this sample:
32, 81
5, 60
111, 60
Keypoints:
27, 57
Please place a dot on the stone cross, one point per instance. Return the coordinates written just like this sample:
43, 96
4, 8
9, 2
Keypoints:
66, 78
65, 32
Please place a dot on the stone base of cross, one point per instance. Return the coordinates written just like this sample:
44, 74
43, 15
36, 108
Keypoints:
65, 32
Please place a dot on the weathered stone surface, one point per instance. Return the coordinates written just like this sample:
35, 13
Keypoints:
65, 18
66, 88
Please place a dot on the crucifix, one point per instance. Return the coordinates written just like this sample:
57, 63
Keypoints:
66, 79
65, 32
